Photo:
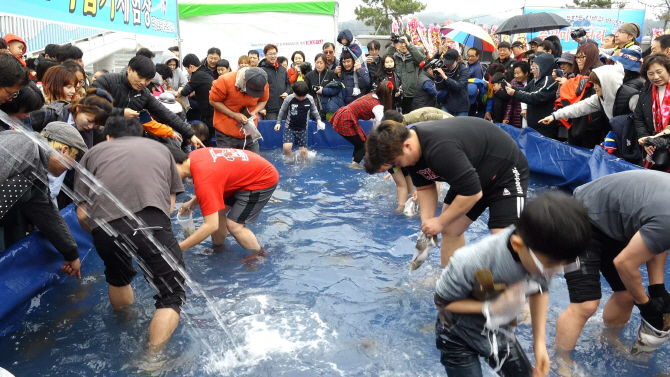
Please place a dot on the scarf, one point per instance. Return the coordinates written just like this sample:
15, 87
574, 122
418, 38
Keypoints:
660, 108
453, 73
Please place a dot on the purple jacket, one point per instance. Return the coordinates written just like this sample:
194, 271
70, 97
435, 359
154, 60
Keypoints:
513, 111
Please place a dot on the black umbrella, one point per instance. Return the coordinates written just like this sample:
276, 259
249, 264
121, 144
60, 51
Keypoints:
532, 22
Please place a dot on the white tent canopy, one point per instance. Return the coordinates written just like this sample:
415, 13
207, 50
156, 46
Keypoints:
236, 27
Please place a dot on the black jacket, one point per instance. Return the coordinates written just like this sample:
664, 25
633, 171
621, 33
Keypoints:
200, 83
278, 82
125, 96
457, 99
500, 100
540, 95
643, 115
212, 72
509, 67
314, 78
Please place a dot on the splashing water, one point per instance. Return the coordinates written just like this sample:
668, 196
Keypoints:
95, 186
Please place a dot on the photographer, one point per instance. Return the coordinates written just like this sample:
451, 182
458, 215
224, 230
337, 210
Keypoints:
318, 78
578, 34
407, 60
426, 94
456, 101
372, 61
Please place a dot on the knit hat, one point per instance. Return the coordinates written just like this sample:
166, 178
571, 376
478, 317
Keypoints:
256, 79
631, 28
66, 134
630, 59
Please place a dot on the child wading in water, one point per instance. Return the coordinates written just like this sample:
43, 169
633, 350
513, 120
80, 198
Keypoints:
296, 110
484, 287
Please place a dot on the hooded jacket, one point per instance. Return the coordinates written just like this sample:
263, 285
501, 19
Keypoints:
354, 45
125, 96
611, 79
348, 80
178, 78
9, 37
407, 66
540, 94
278, 82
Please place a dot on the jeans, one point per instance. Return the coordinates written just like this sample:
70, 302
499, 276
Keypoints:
461, 347
456, 114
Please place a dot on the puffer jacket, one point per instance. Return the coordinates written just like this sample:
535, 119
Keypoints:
201, 84
125, 96
348, 80
513, 110
540, 94
314, 78
407, 66
178, 78
278, 82
333, 95
457, 99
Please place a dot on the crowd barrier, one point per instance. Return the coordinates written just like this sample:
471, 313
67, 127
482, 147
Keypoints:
33, 265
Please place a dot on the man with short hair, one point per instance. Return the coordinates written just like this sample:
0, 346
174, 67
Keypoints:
24, 184
661, 45
13, 76
213, 57
231, 187
482, 164
504, 53
474, 65
130, 93
254, 58
70, 52
608, 42
51, 51
517, 50
245, 90
372, 61
331, 60
147, 187
630, 222
408, 59
146, 52
200, 84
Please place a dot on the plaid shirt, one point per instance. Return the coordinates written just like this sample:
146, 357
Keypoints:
345, 120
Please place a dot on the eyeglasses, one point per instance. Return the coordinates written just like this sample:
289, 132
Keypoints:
13, 95
580, 57
82, 82
329, 52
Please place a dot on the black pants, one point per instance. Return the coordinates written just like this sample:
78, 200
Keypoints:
406, 104
359, 147
589, 139
209, 122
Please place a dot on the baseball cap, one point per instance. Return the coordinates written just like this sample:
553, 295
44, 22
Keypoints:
450, 57
255, 79
64, 133
168, 100
516, 44
630, 59
505, 44
536, 40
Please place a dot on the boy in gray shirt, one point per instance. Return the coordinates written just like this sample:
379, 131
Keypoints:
484, 288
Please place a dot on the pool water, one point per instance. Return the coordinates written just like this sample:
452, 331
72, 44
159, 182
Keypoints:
333, 298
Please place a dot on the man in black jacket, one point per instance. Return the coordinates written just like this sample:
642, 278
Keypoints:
280, 87
457, 101
200, 84
504, 53
131, 96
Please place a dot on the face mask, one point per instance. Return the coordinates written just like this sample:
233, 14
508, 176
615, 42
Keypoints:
549, 272
389, 70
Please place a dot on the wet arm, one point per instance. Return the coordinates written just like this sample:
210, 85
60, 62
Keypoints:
465, 306
210, 226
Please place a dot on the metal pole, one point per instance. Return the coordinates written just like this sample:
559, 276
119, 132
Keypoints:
181, 53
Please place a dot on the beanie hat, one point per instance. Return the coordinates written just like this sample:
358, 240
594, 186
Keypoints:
631, 28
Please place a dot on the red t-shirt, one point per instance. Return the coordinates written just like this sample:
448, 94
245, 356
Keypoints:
219, 173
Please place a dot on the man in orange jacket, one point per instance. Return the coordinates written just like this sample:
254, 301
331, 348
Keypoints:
230, 95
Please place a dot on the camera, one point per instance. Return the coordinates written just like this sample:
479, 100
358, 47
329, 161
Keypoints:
435, 63
375, 59
395, 38
578, 33
315, 88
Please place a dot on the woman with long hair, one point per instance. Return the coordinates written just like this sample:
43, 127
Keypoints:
59, 84
370, 106
78, 70
387, 72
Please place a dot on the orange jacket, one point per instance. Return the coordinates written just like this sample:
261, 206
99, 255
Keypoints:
292, 75
9, 37
224, 90
158, 129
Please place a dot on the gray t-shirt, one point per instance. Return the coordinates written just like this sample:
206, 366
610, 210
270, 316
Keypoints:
139, 172
493, 253
624, 203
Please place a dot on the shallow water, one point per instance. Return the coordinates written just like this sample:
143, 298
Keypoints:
334, 298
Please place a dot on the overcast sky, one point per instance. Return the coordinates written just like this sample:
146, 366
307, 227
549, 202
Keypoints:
501, 9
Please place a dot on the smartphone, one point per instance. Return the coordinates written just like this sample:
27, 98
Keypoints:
559, 72
504, 84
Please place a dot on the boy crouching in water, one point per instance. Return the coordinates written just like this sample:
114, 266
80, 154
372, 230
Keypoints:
484, 288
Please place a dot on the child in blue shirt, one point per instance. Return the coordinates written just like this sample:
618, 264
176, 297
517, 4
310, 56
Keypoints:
296, 110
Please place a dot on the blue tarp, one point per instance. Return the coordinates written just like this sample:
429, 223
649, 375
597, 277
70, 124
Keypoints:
33, 265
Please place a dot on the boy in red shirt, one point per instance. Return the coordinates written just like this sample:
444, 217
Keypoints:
231, 186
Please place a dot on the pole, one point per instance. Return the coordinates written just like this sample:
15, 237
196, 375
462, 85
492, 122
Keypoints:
181, 53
